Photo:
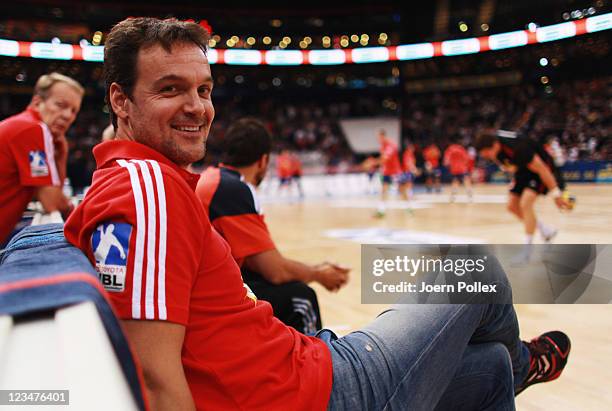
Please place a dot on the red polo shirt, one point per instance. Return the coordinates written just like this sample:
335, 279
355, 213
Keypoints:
408, 161
457, 159
27, 161
389, 155
158, 256
284, 166
431, 154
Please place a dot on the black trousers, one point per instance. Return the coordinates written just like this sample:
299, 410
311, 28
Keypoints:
294, 303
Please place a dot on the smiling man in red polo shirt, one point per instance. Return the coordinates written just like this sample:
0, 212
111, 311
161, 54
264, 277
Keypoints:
34, 151
201, 336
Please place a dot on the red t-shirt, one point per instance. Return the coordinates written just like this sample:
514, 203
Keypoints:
389, 156
457, 159
431, 154
157, 255
27, 161
408, 161
233, 209
284, 166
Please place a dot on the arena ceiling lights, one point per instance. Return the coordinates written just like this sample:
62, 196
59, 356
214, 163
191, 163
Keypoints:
404, 52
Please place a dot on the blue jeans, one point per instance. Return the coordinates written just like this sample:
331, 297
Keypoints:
431, 357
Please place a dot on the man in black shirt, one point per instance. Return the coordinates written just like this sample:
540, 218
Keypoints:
535, 174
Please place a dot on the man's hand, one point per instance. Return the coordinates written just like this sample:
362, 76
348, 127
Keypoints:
280, 270
561, 201
331, 276
53, 199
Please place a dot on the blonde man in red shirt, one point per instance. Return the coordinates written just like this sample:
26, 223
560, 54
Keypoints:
34, 150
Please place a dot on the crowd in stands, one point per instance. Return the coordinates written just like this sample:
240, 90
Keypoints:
574, 117
44, 30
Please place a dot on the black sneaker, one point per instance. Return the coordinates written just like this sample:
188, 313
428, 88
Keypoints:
548, 356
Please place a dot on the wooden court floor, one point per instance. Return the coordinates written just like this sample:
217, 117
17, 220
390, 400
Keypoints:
301, 231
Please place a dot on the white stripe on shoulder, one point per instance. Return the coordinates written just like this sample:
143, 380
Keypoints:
50, 154
163, 233
255, 199
151, 238
140, 236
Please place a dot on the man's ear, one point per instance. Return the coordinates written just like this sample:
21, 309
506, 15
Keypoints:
118, 101
36, 100
264, 160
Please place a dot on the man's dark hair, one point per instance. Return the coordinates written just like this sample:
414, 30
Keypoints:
129, 36
245, 142
485, 139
